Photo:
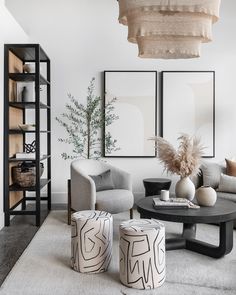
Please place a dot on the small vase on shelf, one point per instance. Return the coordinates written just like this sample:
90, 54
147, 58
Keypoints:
185, 188
25, 94
29, 68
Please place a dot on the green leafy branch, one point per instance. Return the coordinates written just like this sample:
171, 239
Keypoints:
84, 124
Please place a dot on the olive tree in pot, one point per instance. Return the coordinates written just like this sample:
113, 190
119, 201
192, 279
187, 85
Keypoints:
84, 125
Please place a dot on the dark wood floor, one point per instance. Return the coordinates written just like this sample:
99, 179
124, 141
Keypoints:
15, 238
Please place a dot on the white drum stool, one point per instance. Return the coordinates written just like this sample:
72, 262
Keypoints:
91, 241
142, 253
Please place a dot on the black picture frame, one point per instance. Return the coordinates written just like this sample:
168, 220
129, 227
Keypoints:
210, 153
151, 143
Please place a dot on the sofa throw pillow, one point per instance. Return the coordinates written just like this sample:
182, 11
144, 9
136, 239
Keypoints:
230, 167
103, 181
227, 184
211, 174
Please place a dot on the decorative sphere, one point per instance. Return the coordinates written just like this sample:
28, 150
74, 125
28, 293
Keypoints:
206, 196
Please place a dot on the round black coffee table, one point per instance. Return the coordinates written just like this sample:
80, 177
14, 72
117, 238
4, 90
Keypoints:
223, 213
153, 186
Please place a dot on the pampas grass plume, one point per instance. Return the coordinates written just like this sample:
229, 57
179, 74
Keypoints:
184, 161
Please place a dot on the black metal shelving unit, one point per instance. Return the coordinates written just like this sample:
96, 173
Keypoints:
32, 53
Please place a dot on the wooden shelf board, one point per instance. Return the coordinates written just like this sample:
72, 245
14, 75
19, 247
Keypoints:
27, 105
28, 53
16, 187
19, 131
27, 77
13, 159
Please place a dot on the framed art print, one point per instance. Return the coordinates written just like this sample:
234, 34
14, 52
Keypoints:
188, 106
136, 94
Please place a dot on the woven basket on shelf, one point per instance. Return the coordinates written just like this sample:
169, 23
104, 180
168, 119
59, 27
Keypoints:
25, 177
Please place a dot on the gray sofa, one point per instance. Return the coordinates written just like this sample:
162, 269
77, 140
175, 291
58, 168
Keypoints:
210, 175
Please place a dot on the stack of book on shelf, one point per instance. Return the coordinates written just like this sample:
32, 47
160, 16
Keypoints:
174, 203
30, 156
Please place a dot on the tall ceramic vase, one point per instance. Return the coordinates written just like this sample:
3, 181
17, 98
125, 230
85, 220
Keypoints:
185, 188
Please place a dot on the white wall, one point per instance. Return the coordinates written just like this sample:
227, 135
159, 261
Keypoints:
83, 38
10, 32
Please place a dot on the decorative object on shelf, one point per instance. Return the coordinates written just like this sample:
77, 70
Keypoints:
27, 127
24, 174
169, 29
29, 68
30, 147
30, 156
84, 123
24, 94
30, 151
136, 107
206, 196
184, 161
192, 95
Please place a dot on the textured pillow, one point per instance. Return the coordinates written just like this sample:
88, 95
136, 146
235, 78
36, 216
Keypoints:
103, 181
211, 174
230, 167
227, 184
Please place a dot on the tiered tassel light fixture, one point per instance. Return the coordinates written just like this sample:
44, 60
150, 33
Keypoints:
169, 29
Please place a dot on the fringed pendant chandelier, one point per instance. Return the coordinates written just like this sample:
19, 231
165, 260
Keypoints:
169, 29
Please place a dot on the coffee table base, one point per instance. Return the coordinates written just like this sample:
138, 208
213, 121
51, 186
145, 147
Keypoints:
188, 241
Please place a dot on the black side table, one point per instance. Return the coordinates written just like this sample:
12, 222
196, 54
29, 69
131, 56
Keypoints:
153, 186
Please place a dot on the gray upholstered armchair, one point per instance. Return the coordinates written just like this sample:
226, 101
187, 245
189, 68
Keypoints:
83, 194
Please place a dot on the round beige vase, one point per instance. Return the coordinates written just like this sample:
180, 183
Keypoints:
185, 188
206, 196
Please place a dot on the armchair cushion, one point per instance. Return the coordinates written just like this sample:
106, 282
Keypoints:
103, 181
114, 201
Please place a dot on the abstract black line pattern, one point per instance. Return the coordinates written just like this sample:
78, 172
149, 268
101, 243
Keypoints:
91, 241
142, 253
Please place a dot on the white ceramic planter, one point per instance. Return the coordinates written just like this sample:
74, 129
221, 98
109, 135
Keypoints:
185, 188
206, 196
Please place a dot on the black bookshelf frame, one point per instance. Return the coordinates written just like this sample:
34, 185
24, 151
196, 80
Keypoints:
27, 53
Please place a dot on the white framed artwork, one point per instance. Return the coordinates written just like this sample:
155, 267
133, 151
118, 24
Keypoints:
188, 106
136, 98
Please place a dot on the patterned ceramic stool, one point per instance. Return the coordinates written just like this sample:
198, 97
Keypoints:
142, 253
91, 241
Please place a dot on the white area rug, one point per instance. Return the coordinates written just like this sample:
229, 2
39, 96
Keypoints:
44, 267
